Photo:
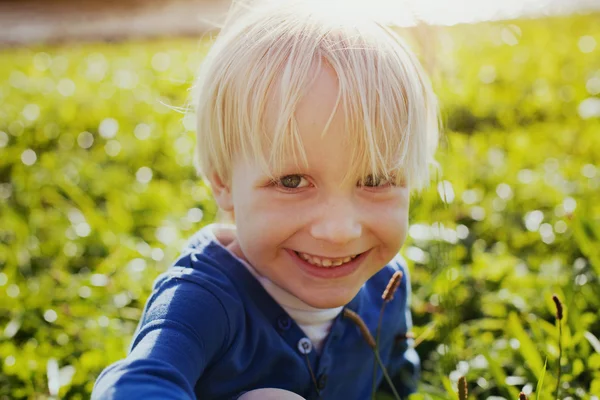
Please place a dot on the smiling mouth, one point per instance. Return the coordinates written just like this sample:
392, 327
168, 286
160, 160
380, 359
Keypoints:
326, 262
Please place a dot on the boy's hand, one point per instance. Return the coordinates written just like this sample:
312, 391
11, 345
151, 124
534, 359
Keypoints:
270, 394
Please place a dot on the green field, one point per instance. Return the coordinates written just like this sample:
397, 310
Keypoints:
98, 194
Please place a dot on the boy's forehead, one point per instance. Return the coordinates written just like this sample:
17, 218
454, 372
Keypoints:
320, 122
317, 116
313, 107
319, 105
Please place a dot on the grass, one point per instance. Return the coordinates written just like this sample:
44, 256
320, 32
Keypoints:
98, 192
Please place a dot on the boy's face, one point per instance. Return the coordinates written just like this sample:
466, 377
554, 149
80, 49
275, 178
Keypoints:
286, 229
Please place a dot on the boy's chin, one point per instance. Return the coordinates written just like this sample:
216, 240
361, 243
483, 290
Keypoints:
328, 301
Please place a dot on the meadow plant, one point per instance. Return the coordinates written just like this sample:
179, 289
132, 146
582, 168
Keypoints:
387, 296
559, 317
463, 392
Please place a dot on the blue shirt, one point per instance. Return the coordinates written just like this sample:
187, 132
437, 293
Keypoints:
209, 330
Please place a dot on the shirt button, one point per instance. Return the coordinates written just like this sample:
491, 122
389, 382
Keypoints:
304, 345
322, 381
284, 322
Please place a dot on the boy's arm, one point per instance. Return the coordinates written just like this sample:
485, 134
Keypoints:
405, 366
184, 326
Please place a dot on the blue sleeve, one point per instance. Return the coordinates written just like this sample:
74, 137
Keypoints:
405, 365
184, 327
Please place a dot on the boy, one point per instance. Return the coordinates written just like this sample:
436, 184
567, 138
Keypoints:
314, 126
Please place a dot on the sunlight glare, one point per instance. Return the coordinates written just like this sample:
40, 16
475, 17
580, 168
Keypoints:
444, 12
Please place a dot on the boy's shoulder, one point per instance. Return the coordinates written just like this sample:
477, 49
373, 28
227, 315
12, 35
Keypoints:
206, 263
199, 285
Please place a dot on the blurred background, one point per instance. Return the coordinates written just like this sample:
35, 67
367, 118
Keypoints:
98, 192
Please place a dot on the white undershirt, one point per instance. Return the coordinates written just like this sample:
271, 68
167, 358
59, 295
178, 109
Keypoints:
315, 322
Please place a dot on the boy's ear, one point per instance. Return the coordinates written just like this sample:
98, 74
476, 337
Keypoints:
221, 192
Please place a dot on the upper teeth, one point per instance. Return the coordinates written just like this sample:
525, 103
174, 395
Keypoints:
325, 262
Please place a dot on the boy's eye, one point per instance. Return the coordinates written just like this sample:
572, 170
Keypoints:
374, 181
292, 181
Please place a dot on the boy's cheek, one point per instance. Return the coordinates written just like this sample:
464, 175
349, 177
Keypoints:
391, 227
264, 212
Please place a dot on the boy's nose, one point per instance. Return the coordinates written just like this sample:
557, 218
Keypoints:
338, 223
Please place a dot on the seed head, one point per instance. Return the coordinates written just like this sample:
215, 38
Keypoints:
463, 392
354, 317
559, 307
392, 286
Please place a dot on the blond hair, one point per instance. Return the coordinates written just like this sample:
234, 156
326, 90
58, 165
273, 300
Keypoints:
265, 56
